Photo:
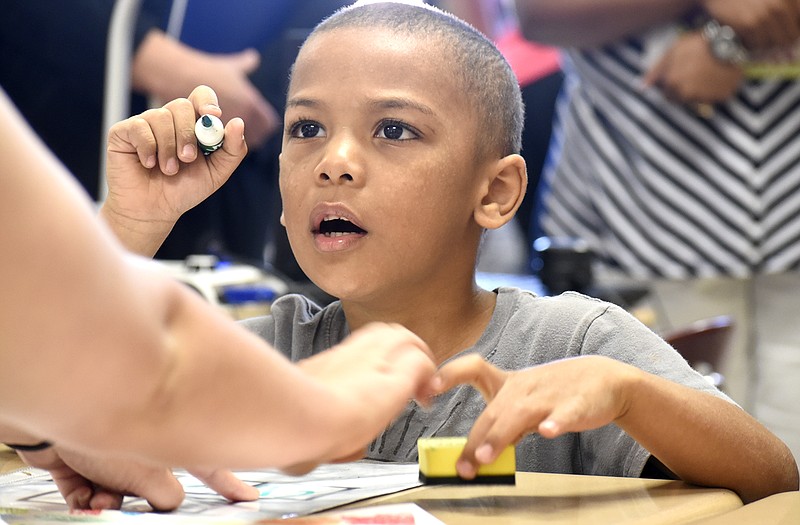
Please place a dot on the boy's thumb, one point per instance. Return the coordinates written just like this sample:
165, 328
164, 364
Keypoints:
225, 160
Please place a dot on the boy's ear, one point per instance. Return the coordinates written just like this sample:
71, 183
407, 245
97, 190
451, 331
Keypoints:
502, 192
283, 220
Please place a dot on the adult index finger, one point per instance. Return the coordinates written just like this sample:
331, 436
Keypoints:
472, 369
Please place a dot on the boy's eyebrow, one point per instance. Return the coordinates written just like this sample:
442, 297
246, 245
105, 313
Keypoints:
383, 103
401, 103
304, 102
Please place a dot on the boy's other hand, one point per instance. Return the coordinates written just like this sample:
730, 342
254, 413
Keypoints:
569, 395
156, 172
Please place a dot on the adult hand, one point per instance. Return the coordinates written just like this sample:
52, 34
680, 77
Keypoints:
155, 172
371, 376
166, 69
569, 395
101, 482
763, 25
689, 74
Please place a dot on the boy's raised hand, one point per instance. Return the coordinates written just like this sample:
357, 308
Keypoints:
156, 173
570, 395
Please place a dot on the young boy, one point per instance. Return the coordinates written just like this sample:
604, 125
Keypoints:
401, 147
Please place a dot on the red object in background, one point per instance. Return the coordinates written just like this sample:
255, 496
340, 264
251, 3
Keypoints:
529, 60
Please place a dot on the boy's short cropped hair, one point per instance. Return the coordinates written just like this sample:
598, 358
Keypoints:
487, 80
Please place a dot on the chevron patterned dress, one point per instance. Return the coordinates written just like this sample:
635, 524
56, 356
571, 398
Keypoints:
658, 191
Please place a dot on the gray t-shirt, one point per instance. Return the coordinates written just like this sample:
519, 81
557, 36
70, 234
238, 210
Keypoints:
525, 330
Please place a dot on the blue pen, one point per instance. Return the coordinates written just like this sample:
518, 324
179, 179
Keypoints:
210, 132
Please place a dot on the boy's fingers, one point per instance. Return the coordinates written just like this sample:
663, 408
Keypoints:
134, 133
163, 128
183, 118
204, 100
492, 433
225, 160
570, 417
234, 143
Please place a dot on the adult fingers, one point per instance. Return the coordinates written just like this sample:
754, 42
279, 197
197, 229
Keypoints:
76, 490
299, 469
262, 119
246, 60
226, 484
160, 488
103, 499
471, 369
652, 77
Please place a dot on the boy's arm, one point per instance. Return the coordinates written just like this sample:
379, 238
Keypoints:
706, 440
701, 438
156, 173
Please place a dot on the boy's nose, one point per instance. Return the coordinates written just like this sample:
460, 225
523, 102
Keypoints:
341, 164
341, 178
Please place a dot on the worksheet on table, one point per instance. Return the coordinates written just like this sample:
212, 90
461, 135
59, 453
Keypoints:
282, 496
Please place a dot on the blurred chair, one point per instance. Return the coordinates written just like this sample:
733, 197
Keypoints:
704, 344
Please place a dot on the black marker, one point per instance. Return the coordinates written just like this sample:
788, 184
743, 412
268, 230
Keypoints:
209, 131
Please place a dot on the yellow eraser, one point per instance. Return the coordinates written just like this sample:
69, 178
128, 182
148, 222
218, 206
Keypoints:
438, 456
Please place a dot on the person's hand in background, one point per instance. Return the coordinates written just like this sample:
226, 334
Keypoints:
763, 25
166, 69
689, 74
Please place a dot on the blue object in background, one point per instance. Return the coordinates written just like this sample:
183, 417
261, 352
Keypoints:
233, 25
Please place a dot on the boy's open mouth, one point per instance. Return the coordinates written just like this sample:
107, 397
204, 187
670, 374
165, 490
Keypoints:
338, 226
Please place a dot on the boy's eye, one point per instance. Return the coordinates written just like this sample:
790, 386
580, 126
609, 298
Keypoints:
307, 130
395, 131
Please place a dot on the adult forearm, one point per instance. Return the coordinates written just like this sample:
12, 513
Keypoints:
691, 433
203, 392
584, 23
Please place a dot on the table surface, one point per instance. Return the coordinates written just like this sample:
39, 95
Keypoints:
9, 460
779, 509
562, 498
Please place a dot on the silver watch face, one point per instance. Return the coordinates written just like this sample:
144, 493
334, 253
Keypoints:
724, 44
725, 49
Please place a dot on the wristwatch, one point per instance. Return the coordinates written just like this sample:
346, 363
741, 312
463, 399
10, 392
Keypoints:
724, 43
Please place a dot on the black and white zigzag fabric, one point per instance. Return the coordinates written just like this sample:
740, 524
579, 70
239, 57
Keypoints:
658, 191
